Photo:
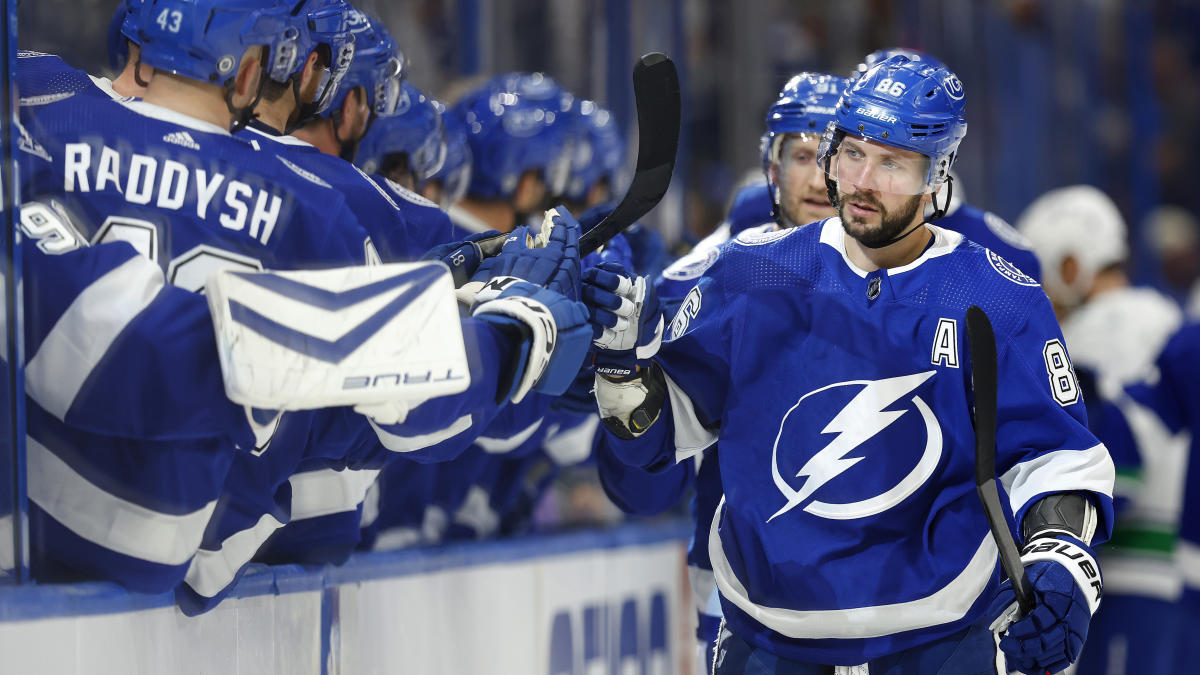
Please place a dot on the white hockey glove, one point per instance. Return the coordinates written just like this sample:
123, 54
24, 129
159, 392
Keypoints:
383, 338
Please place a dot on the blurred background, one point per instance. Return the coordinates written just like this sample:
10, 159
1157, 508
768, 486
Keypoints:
1104, 92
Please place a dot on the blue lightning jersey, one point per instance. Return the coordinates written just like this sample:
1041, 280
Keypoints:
991, 231
46, 78
841, 399
191, 199
402, 225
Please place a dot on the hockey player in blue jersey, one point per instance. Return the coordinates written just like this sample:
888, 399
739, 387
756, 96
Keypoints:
448, 186
794, 192
518, 131
788, 197
192, 199
370, 90
45, 78
829, 362
982, 227
110, 186
409, 147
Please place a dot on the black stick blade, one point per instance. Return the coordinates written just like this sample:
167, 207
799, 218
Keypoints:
985, 381
656, 92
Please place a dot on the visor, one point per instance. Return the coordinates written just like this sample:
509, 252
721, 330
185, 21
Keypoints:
857, 165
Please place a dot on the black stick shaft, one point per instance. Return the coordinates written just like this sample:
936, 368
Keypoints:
656, 92
985, 382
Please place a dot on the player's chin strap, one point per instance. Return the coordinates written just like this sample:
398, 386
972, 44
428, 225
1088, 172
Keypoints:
243, 116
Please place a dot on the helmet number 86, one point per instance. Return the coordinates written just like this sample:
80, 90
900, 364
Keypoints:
887, 86
170, 20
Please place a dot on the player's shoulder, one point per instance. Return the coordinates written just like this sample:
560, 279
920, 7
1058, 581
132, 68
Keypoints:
751, 208
766, 257
972, 274
46, 78
407, 197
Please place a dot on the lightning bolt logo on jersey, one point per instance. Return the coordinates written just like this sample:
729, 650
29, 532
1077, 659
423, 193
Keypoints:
842, 404
863, 419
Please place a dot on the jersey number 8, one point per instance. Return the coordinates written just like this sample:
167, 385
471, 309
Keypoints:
1063, 384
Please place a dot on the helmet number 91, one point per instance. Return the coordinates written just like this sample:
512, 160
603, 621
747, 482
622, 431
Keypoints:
170, 20
887, 86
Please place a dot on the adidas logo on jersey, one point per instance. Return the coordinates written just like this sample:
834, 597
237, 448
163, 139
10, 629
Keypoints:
182, 138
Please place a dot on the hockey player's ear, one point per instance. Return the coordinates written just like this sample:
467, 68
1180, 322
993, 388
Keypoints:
355, 116
530, 195
249, 77
311, 76
1069, 270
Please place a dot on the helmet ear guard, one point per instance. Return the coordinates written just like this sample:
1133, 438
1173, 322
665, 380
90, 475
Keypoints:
831, 138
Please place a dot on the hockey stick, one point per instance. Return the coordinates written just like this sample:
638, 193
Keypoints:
984, 380
656, 91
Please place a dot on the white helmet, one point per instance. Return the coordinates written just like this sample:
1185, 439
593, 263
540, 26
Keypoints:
1077, 221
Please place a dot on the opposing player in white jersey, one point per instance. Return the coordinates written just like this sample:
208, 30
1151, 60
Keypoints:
1116, 331
830, 363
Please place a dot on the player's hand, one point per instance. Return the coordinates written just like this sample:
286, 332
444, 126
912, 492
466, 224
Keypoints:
1066, 584
463, 257
555, 327
626, 317
550, 260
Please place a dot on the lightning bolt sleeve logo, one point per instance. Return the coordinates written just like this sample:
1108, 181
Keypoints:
861, 419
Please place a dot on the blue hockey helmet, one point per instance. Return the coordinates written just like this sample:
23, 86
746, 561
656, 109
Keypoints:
415, 131
122, 30
806, 105
311, 24
517, 122
455, 174
905, 104
378, 67
204, 40
880, 55
598, 152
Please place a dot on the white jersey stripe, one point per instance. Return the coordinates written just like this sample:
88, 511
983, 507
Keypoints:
211, 571
498, 446
946, 605
691, 437
107, 520
1089, 470
84, 333
326, 491
397, 443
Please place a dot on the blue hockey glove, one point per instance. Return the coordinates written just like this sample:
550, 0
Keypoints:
463, 257
557, 328
550, 260
626, 317
1066, 583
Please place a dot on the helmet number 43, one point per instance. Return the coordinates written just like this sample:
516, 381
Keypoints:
887, 86
170, 20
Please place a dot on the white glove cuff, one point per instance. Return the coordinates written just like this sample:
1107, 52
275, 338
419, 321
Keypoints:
540, 321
